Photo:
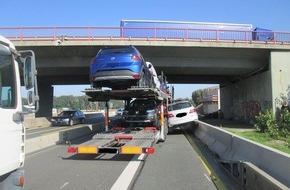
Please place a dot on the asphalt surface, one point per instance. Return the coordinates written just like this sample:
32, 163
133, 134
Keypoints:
174, 165
54, 168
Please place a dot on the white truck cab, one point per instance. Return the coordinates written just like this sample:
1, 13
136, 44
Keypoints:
13, 66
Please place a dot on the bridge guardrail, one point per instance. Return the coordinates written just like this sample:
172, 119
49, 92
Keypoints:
230, 147
138, 34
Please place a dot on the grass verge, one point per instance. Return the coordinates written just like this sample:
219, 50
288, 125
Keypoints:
278, 143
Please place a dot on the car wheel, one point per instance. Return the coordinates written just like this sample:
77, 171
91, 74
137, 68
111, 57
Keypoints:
71, 122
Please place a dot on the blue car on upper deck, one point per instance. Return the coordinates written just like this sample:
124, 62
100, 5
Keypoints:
119, 68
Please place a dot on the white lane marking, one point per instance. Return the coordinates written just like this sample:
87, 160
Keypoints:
208, 178
65, 184
127, 175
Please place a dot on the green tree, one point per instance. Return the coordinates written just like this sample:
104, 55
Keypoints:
197, 96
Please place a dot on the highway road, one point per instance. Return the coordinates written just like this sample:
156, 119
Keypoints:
174, 165
92, 118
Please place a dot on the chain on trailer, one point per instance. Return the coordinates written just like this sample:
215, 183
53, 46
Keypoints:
124, 140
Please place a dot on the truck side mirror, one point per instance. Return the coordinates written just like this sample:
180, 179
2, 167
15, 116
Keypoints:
28, 72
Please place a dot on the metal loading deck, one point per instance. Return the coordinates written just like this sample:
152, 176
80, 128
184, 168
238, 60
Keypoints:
120, 140
125, 139
133, 92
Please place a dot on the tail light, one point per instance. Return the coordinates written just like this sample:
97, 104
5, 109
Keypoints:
149, 150
192, 111
136, 58
71, 150
150, 128
136, 76
170, 115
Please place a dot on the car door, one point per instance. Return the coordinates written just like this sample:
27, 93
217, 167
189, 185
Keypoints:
76, 117
12, 132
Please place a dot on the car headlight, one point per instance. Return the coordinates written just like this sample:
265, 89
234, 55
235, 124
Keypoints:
52, 119
66, 119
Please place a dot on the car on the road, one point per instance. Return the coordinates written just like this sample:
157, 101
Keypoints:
119, 112
119, 68
141, 112
68, 117
180, 114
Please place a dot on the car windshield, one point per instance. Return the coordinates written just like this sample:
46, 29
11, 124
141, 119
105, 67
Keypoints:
65, 113
143, 104
116, 50
179, 106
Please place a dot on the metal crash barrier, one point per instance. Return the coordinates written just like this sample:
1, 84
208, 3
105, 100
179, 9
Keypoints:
247, 160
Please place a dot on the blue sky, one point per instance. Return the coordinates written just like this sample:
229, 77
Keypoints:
270, 14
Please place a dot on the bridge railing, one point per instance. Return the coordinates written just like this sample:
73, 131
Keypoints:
145, 34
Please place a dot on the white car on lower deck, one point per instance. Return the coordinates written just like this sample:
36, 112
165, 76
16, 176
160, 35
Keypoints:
181, 113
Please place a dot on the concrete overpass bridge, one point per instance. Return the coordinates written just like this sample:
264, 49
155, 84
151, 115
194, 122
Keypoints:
252, 74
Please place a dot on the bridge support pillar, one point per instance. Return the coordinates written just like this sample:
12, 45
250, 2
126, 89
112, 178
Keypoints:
280, 71
45, 100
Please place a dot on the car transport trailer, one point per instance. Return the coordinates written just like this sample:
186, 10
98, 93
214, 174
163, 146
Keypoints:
131, 139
